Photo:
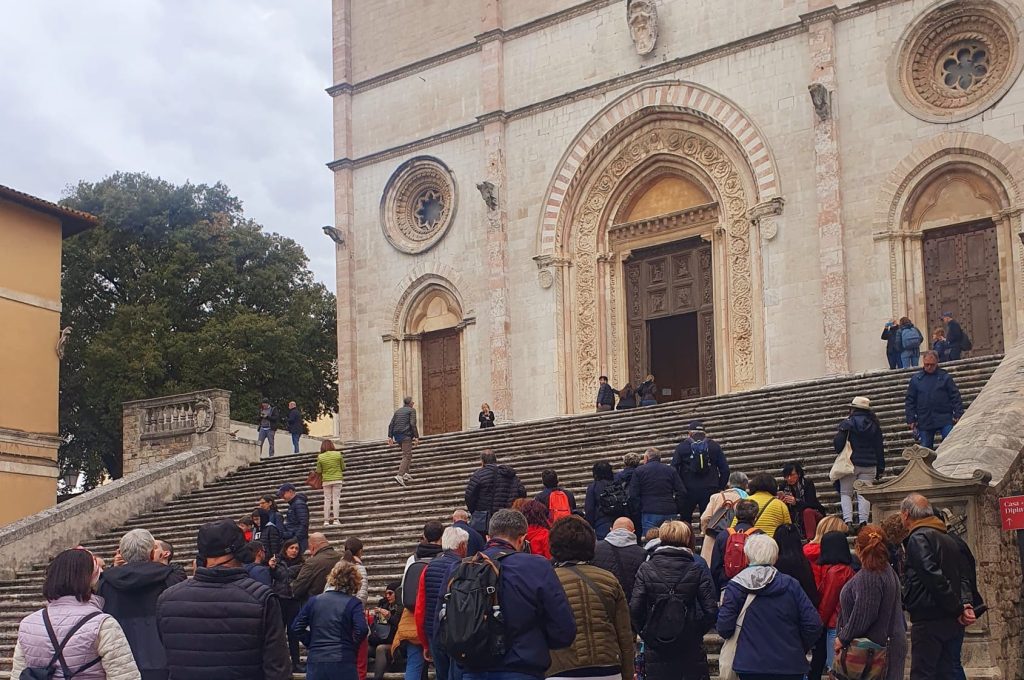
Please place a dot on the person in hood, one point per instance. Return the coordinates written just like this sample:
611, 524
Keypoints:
296, 522
933, 403
672, 569
780, 624
864, 433
129, 594
619, 553
700, 463
491, 488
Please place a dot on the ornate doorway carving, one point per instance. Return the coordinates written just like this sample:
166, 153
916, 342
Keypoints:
961, 271
670, 318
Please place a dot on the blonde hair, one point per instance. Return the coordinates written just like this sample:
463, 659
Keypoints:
345, 578
675, 533
830, 523
485, 406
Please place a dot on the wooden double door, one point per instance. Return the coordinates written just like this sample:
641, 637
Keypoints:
961, 270
441, 357
670, 318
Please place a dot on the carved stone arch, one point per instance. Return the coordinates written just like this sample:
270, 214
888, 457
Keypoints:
995, 173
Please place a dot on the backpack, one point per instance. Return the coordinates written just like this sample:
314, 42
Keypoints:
667, 618
733, 557
722, 518
614, 501
965, 342
699, 460
47, 672
911, 338
411, 582
471, 626
558, 505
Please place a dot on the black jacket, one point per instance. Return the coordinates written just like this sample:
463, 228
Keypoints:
476, 541
296, 522
268, 534
935, 585
954, 334
647, 391
605, 395
332, 625
865, 438
933, 400
130, 594
222, 625
701, 469
621, 561
806, 496
294, 421
657, 489
492, 488
890, 335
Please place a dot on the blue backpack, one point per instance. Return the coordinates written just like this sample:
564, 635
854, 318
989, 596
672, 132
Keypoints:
910, 338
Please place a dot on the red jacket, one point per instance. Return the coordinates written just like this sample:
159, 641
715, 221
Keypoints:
812, 551
833, 578
538, 538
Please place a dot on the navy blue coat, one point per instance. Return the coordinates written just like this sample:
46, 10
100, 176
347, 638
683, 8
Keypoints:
605, 395
865, 438
538, 617
933, 400
656, 487
435, 584
331, 625
714, 475
296, 522
476, 541
779, 629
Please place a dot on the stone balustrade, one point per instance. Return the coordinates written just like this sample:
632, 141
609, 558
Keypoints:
156, 429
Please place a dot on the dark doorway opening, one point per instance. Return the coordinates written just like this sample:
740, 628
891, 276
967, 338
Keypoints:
675, 356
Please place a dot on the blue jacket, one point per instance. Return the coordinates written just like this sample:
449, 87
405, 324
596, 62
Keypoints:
701, 464
605, 395
933, 400
258, 573
331, 626
538, 617
296, 522
435, 584
476, 541
780, 627
655, 487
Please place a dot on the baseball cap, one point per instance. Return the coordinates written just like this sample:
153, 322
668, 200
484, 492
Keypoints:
949, 314
696, 426
219, 538
284, 488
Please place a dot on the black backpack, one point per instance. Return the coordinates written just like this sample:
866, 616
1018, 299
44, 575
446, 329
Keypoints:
613, 501
965, 342
47, 672
667, 620
411, 582
471, 624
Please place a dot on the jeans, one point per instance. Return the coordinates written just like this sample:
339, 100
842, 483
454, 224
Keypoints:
649, 402
295, 441
955, 649
909, 357
413, 661
830, 647
650, 521
265, 433
894, 359
846, 494
332, 500
932, 648
405, 441
927, 437
496, 675
445, 667
331, 670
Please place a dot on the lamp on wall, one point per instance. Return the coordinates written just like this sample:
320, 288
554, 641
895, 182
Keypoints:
70, 479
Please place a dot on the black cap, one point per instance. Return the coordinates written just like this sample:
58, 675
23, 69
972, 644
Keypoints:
696, 426
284, 488
220, 538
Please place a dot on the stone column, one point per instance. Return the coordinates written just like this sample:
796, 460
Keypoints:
344, 209
492, 191
828, 179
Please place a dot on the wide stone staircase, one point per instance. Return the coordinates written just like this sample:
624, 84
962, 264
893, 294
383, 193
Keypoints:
759, 430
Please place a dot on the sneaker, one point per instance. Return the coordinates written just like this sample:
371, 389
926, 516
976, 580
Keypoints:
407, 477
335, 522
400, 480
326, 524
299, 668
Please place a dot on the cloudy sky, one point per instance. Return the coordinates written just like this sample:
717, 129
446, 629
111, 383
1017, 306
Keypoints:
200, 90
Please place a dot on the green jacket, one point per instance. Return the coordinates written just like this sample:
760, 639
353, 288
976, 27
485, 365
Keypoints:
331, 466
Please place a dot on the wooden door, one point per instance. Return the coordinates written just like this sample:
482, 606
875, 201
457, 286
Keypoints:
670, 318
442, 382
961, 271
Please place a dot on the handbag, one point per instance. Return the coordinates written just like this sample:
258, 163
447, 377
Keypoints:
727, 655
843, 466
862, 660
315, 480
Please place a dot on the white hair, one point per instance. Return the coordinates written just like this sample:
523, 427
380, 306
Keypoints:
453, 537
137, 546
761, 549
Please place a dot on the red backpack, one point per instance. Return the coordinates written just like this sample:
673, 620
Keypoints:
734, 558
558, 505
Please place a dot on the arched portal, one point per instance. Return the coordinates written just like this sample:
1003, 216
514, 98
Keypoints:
649, 218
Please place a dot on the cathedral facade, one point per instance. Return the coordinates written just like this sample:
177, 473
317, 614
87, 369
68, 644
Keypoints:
534, 193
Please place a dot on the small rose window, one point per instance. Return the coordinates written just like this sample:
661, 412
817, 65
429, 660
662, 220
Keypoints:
965, 66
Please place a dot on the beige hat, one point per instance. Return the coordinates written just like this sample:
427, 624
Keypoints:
862, 403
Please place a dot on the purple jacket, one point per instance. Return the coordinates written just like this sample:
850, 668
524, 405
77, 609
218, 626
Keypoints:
65, 612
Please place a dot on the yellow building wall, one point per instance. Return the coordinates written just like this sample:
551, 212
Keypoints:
28, 367
30, 256
25, 495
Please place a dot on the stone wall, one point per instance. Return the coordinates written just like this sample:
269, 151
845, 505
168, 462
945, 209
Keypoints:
156, 429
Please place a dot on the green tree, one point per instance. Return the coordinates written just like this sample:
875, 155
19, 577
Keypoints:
176, 290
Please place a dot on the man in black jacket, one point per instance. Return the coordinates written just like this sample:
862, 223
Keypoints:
701, 465
955, 336
222, 603
130, 590
605, 395
936, 592
657, 490
296, 522
619, 553
294, 424
489, 489
460, 520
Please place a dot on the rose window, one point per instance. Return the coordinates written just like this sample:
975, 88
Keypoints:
965, 66
429, 209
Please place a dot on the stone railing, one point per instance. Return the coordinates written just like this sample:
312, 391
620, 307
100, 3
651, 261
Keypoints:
156, 429
185, 414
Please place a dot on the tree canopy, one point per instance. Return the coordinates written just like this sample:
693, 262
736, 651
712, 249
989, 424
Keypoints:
176, 290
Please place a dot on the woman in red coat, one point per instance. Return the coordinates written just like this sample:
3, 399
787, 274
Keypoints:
537, 529
834, 570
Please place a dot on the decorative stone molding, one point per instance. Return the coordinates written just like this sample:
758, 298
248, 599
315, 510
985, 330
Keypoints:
764, 214
702, 214
958, 59
545, 265
642, 19
156, 429
418, 205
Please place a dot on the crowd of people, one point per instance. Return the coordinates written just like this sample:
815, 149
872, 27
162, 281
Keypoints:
903, 341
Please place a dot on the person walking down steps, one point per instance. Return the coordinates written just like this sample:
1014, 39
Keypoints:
402, 431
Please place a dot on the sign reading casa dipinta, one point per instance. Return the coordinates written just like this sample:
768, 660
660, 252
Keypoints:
1011, 511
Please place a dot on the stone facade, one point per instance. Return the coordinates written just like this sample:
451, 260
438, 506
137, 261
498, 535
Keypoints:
157, 429
810, 124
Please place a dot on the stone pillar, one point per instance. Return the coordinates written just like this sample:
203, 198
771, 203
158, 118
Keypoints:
492, 190
344, 210
828, 179
156, 429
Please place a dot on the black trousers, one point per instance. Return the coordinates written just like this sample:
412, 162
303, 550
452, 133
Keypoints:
930, 646
289, 610
695, 498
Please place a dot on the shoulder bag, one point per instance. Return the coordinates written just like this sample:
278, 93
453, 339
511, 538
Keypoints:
727, 655
843, 466
315, 480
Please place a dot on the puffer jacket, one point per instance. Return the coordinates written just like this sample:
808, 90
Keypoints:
604, 638
492, 488
331, 466
619, 554
296, 522
865, 439
934, 583
933, 400
101, 637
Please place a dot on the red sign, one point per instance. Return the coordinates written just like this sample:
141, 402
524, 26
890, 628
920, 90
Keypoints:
1011, 510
